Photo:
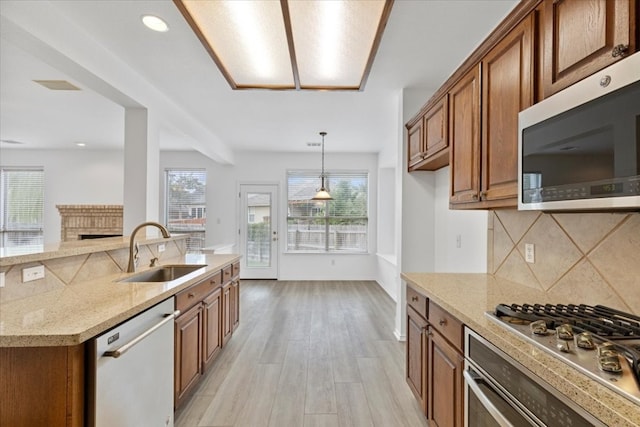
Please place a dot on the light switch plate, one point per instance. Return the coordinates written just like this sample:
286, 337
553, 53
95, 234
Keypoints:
32, 273
161, 247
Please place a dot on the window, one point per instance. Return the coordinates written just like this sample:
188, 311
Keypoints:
185, 208
21, 208
339, 225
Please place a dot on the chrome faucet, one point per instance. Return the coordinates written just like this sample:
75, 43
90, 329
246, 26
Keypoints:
133, 257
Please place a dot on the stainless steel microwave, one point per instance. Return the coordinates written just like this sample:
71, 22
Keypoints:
580, 148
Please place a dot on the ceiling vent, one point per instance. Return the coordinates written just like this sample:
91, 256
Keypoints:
57, 84
313, 144
10, 141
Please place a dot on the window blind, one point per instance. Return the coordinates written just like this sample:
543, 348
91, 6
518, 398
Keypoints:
339, 225
22, 207
186, 207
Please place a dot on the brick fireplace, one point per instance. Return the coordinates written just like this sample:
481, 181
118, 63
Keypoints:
80, 222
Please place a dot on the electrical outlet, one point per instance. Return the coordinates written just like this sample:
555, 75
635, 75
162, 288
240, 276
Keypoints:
161, 247
2, 280
529, 253
32, 273
458, 241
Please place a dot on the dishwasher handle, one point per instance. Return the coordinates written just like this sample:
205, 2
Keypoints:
126, 347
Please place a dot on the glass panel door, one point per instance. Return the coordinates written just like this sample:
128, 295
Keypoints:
259, 232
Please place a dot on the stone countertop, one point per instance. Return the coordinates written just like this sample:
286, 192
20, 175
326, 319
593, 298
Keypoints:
79, 312
469, 296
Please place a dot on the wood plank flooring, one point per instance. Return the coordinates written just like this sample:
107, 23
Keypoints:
308, 354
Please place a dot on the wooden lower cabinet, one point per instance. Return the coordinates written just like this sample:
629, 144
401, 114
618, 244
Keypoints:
202, 330
188, 352
235, 310
227, 322
435, 361
446, 385
416, 356
212, 311
42, 386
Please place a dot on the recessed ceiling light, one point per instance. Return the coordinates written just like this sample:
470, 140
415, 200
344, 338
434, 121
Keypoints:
81, 144
155, 23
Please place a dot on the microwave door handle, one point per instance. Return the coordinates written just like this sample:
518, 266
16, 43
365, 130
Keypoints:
484, 400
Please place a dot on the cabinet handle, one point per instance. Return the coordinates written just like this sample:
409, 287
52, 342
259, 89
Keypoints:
429, 333
442, 322
191, 295
414, 299
620, 50
474, 197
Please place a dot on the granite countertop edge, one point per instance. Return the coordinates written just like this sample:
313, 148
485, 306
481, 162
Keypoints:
468, 296
80, 312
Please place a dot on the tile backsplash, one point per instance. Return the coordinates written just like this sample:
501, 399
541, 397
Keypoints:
60, 272
591, 258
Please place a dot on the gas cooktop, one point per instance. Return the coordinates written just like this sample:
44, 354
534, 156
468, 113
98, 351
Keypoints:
601, 342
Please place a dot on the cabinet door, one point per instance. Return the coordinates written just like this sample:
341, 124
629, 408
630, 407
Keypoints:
507, 89
235, 318
416, 356
580, 37
188, 356
227, 325
415, 143
464, 138
435, 128
212, 331
446, 393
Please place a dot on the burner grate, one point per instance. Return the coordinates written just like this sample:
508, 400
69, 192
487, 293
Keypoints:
599, 320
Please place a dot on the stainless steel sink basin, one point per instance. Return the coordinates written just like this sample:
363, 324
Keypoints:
165, 273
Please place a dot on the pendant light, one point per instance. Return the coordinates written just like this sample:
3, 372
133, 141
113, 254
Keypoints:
322, 194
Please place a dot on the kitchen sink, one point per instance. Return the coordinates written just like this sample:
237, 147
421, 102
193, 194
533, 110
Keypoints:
165, 273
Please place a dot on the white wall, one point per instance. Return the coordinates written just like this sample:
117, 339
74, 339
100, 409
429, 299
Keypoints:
72, 177
252, 167
469, 225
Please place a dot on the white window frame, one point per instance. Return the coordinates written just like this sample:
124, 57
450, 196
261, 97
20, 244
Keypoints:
314, 175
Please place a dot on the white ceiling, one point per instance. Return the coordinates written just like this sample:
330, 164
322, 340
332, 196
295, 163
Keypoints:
102, 47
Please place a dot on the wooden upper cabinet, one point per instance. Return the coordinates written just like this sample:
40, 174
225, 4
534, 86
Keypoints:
507, 88
415, 143
427, 138
581, 37
436, 133
464, 133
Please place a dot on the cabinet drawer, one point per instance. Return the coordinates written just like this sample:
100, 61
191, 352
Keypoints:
236, 269
446, 324
197, 292
227, 273
417, 301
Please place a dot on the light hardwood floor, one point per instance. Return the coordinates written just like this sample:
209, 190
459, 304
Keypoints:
308, 354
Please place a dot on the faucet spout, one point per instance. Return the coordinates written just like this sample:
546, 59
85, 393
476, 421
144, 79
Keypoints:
133, 259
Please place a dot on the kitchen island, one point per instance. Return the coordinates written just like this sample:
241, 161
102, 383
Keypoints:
469, 296
47, 325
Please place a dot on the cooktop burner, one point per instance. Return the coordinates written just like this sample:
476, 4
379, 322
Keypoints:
600, 341
598, 320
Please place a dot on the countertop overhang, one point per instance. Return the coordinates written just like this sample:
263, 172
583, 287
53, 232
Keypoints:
469, 296
79, 312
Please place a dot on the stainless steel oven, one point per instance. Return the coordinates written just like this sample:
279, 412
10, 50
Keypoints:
501, 392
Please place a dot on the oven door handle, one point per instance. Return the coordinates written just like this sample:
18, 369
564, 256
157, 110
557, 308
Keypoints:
471, 380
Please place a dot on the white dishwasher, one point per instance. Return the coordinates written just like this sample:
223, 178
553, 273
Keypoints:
132, 381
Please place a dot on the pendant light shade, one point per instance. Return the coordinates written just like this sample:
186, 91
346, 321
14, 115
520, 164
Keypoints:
322, 193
